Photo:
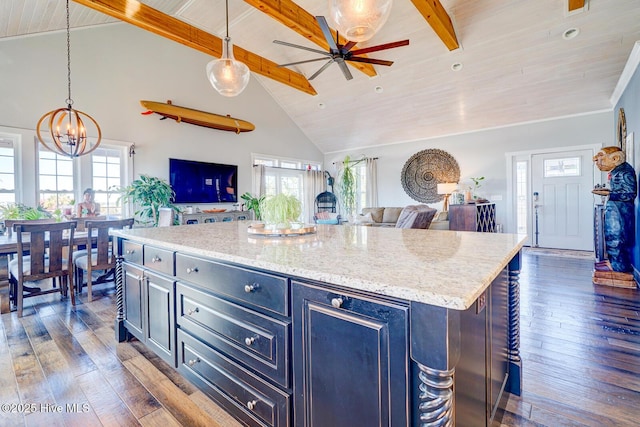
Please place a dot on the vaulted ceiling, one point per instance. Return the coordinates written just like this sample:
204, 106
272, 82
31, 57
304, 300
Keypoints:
514, 63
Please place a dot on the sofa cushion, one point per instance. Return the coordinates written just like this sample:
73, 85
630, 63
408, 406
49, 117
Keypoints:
391, 214
416, 216
363, 219
376, 213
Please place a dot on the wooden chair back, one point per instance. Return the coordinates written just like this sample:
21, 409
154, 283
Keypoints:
9, 223
49, 246
102, 257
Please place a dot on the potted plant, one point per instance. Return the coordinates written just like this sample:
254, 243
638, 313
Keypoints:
149, 194
253, 204
347, 187
281, 210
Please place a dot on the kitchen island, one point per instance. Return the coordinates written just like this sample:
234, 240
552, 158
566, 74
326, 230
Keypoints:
349, 326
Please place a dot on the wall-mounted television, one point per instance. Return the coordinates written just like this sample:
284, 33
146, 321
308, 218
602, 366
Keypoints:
202, 182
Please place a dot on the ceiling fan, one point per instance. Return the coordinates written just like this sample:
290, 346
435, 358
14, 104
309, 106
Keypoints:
340, 53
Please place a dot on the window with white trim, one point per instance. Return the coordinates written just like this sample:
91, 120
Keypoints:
7, 171
107, 169
55, 180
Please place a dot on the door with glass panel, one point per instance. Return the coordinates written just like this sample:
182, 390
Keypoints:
562, 203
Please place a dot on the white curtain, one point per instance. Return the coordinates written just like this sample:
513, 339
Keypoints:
372, 182
259, 186
313, 184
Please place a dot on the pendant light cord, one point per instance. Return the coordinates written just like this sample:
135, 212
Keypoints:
69, 100
227, 13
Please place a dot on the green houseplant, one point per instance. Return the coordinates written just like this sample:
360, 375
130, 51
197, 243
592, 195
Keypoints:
347, 186
253, 204
149, 194
281, 210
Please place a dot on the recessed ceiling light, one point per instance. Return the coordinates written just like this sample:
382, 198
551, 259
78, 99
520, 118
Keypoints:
456, 66
321, 105
378, 89
570, 33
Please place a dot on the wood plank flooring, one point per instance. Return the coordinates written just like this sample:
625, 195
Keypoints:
580, 346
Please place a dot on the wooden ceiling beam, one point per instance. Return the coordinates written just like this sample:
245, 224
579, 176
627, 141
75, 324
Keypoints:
575, 4
153, 20
439, 20
302, 22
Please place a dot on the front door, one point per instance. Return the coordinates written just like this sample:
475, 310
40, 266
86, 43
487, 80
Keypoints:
563, 206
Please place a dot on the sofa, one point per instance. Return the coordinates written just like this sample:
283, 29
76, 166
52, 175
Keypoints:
388, 217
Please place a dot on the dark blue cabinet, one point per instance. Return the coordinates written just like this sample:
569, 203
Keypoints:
350, 359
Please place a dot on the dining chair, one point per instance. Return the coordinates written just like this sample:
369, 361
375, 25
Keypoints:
48, 246
101, 257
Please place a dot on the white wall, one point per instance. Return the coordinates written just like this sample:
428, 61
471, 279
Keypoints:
482, 154
114, 67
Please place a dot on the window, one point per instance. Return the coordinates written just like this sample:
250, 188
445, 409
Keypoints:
555, 168
360, 171
285, 176
7, 171
55, 178
106, 167
522, 214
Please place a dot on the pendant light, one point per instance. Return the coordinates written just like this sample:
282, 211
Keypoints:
228, 76
359, 20
66, 128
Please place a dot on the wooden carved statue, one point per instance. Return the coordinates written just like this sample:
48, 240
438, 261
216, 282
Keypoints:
618, 218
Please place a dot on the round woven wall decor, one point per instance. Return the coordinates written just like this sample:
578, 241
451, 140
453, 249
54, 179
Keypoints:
424, 170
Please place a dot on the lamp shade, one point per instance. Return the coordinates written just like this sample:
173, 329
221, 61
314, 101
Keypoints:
447, 187
228, 76
359, 20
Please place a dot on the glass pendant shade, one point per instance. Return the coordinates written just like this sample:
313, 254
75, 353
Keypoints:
65, 132
359, 20
228, 76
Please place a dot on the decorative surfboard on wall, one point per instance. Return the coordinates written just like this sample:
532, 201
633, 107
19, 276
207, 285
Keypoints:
196, 117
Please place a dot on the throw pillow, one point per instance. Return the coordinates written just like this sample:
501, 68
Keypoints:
363, 219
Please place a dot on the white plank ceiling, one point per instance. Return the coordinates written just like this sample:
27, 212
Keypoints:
516, 66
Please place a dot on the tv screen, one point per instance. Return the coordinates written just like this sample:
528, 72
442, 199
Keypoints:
201, 182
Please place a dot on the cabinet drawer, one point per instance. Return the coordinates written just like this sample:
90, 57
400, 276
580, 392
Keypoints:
260, 342
244, 395
262, 290
132, 252
160, 260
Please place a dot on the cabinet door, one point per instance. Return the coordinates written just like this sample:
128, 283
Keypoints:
133, 307
350, 356
160, 331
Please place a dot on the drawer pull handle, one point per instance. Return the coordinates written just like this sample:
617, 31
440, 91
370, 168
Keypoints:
130, 251
251, 288
192, 270
156, 259
251, 405
193, 361
140, 278
193, 310
250, 340
336, 302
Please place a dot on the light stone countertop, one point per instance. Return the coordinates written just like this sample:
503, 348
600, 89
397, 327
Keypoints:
444, 268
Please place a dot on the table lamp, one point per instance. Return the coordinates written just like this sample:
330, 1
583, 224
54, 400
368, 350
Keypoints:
447, 188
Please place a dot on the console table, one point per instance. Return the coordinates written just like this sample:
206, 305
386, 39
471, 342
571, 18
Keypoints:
202, 217
473, 217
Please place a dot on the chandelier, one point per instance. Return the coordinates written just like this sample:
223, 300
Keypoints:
66, 128
227, 75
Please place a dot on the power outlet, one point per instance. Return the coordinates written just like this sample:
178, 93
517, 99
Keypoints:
481, 302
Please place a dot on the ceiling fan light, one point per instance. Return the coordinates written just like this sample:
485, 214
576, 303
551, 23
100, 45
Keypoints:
227, 75
359, 20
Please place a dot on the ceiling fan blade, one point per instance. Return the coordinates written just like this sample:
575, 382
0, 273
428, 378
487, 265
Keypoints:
321, 52
301, 62
327, 33
380, 47
324, 67
347, 47
370, 61
345, 70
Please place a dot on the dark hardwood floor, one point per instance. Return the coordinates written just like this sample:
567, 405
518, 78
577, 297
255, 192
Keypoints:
580, 346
